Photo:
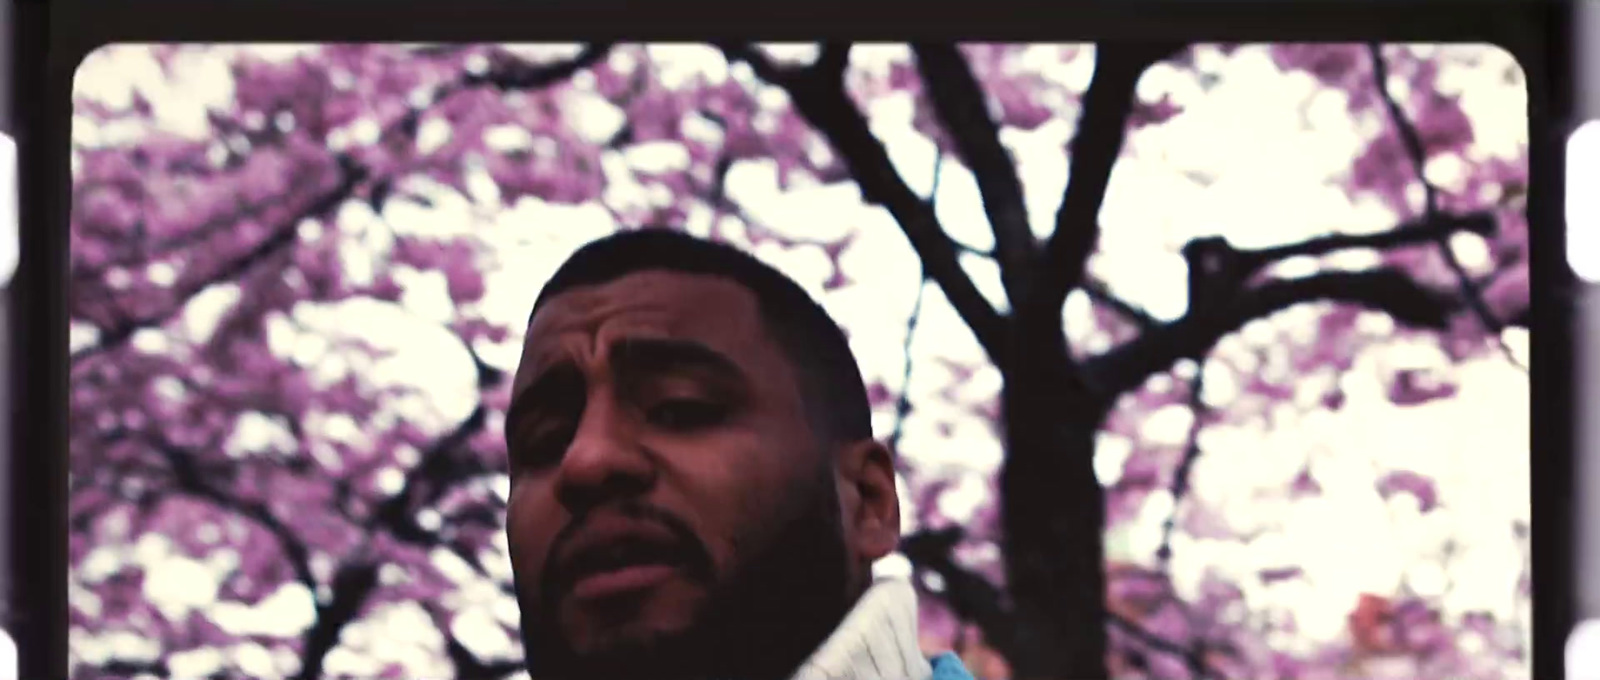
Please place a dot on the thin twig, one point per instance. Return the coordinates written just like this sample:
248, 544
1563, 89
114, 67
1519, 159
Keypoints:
1194, 656
902, 404
1098, 292
1197, 663
1412, 140
1180, 476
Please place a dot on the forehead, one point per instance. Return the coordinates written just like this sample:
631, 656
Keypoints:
712, 310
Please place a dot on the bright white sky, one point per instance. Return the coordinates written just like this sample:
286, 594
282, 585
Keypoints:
1272, 169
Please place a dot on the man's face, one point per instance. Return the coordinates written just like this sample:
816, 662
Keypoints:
669, 499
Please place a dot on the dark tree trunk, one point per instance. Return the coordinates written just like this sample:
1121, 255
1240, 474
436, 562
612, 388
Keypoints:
1053, 511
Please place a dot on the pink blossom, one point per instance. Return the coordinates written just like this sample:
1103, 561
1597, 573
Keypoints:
1153, 113
465, 283
1409, 388
1406, 481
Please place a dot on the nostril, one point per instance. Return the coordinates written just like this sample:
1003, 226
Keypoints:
583, 488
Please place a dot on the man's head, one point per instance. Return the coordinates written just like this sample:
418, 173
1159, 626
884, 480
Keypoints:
695, 487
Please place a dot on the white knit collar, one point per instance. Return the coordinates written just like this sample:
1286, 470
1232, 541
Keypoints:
876, 641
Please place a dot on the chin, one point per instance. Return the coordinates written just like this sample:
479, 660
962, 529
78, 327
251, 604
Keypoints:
667, 612
645, 648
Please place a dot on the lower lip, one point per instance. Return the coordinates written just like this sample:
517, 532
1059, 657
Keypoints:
622, 581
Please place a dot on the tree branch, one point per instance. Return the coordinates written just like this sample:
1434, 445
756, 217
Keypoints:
352, 585
357, 579
1098, 292
1412, 140
428, 480
1131, 628
1247, 263
818, 94
191, 480
972, 598
1101, 128
1127, 366
507, 73
281, 237
121, 668
962, 107
1221, 303
148, 250
1426, 229
468, 667
969, 595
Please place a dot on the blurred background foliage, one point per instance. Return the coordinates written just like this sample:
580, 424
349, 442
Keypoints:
1290, 307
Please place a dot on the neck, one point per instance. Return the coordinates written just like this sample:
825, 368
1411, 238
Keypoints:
877, 640
768, 639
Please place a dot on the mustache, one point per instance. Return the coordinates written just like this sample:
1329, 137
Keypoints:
685, 546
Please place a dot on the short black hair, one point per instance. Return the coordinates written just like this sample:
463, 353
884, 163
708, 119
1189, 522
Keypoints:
830, 380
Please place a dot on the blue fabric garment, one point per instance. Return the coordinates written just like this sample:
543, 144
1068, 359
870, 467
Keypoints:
948, 666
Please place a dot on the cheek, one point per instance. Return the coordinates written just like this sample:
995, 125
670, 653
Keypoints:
529, 529
742, 501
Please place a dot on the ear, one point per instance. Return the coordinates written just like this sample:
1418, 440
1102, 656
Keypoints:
870, 503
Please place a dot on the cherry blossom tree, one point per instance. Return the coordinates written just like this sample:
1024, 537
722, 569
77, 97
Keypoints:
1201, 361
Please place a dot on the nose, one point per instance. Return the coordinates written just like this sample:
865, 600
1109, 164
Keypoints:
605, 461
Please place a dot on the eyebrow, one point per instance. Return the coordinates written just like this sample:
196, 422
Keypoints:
628, 356
661, 355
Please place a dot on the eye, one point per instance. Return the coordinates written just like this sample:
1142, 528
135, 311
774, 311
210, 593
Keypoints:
546, 446
684, 414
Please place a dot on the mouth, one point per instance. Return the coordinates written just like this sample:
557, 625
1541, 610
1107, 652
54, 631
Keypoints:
620, 569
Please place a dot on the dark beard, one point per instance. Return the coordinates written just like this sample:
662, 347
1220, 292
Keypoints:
759, 623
